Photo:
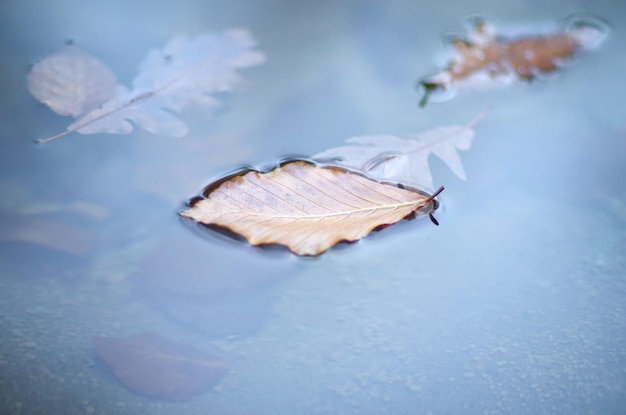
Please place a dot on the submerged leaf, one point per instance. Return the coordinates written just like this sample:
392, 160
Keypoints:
305, 207
45, 232
155, 366
185, 72
483, 59
71, 82
403, 160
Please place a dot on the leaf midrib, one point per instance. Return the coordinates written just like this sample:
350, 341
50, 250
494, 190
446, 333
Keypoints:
335, 214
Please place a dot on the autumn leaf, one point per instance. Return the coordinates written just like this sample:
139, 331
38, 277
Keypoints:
306, 207
155, 366
483, 58
310, 208
403, 160
64, 227
47, 232
185, 72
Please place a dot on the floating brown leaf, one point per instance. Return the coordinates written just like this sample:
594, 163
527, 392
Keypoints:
306, 207
484, 58
155, 366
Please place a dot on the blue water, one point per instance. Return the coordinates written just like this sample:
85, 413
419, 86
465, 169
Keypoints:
516, 303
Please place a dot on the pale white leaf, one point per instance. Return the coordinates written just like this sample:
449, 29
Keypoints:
185, 72
71, 82
187, 69
405, 160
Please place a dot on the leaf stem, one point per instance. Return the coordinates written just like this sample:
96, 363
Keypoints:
53, 137
429, 87
434, 195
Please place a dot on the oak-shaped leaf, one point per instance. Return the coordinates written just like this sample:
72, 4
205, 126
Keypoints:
403, 159
306, 207
185, 72
484, 58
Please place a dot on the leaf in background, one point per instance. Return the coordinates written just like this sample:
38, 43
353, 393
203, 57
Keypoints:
403, 160
155, 366
46, 231
484, 59
60, 226
71, 82
305, 207
185, 72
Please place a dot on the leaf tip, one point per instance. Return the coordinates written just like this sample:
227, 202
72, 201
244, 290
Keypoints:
186, 213
435, 205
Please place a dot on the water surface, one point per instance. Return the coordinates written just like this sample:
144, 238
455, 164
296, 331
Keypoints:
514, 304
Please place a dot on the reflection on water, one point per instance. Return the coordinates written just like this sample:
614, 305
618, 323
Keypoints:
515, 304
212, 289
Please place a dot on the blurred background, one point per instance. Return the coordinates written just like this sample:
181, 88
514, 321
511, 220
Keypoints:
514, 304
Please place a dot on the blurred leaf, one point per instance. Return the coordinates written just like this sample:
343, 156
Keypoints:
71, 82
403, 160
155, 366
60, 226
186, 71
484, 58
45, 231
